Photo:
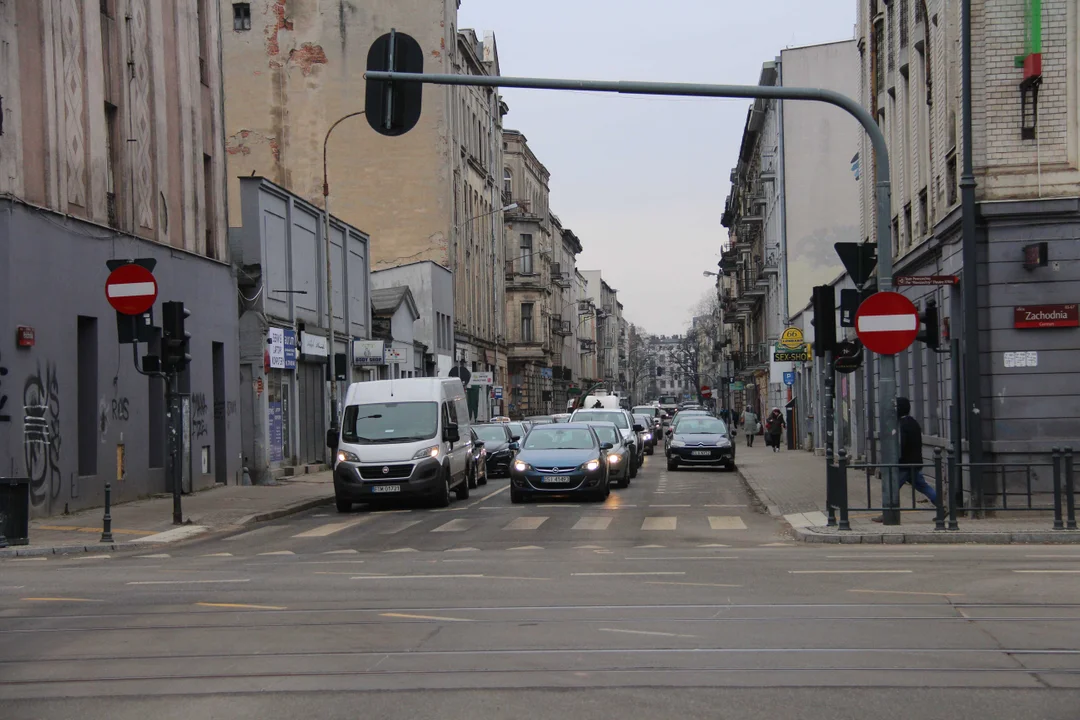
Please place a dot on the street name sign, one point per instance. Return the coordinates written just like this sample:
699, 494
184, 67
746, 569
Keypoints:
887, 323
924, 280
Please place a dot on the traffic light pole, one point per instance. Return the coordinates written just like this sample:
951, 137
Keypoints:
175, 433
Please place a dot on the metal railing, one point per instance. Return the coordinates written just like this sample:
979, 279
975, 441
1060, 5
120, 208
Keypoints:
951, 496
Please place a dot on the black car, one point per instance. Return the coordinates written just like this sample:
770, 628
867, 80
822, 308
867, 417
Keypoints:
561, 459
699, 440
497, 443
477, 469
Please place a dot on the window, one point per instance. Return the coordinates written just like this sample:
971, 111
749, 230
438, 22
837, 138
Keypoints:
924, 219
112, 162
526, 254
526, 322
908, 235
86, 395
203, 19
950, 179
241, 16
904, 23
508, 184
208, 206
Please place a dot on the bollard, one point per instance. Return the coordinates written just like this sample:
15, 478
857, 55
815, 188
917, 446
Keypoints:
830, 493
842, 490
939, 486
954, 475
1070, 490
106, 521
1055, 455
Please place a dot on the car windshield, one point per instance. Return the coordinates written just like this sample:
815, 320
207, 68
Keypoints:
604, 416
491, 433
701, 425
642, 420
554, 438
516, 429
607, 433
390, 422
540, 420
646, 410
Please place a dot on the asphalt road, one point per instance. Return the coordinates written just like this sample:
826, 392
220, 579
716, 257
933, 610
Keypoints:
676, 597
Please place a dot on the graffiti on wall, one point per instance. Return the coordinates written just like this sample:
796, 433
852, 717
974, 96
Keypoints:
4, 417
41, 433
198, 414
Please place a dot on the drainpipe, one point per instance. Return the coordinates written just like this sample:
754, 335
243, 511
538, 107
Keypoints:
972, 377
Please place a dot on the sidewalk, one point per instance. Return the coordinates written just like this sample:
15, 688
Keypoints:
791, 485
148, 523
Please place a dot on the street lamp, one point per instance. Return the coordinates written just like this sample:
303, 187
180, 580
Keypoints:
330, 278
505, 208
709, 273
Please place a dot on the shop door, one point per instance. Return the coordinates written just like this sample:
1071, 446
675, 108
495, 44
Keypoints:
312, 412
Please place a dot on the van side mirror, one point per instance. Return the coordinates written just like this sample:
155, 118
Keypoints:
332, 439
450, 433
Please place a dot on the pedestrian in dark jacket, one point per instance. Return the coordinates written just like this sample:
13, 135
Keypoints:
911, 455
774, 427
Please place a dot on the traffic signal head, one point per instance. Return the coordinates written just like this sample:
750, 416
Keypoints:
824, 321
175, 339
929, 333
393, 107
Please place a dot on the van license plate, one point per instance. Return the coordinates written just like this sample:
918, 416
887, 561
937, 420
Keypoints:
702, 452
386, 488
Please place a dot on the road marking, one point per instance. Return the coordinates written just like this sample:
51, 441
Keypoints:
776, 544
726, 522
458, 525
713, 545
217, 555
1067, 557
560, 505
490, 495
412, 577
644, 632
463, 549
661, 582
592, 523
848, 572
615, 574
525, 523
186, 582
403, 526
1048, 572
527, 547
29, 559
669, 506
333, 562
59, 599
397, 550
685, 557
92, 557
277, 552
726, 506
644, 547
71, 528
240, 606
874, 556
331, 528
340, 552
424, 617
588, 547
155, 555
180, 533
907, 592
659, 523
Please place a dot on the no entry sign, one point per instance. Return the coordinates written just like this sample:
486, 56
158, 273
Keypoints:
887, 322
706, 391
131, 289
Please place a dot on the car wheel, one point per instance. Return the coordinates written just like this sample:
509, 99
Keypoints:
623, 483
343, 505
731, 467
462, 490
633, 466
483, 481
471, 481
442, 499
672, 464
516, 496
649, 450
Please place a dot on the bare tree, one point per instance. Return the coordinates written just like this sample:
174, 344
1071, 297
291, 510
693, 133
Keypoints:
640, 366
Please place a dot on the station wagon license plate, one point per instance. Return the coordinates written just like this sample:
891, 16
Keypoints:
557, 479
705, 453
386, 488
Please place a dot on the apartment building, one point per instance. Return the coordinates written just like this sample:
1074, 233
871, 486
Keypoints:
111, 148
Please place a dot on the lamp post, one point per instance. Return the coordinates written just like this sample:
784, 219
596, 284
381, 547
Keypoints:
330, 277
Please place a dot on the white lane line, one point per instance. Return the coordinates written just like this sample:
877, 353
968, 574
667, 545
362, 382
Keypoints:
186, 582
412, 577
669, 506
726, 506
331, 528
12, 587
92, 557
906, 592
180, 533
726, 522
29, 559
708, 545
647, 547
1055, 557
161, 555
645, 632
560, 505
874, 556
659, 523
403, 526
277, 552
849, 572
622, 574
340, 552
588, 547
685, 557
333, 562
1048, 572
662, 582
490, 495
222, 554
423, 617
527, 547
525, 523
592, 523
241, 606
463, 549
397, 550
457, 525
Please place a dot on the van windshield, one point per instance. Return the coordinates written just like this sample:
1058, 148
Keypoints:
610, 416
390, 422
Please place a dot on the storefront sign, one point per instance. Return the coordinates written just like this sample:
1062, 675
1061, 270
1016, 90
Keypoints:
545, 372
368, 352
277, 421
313, 345
791, 339
482, 378
498, 392
799, 354
397, 356
1045, 316
738, 385
281, 347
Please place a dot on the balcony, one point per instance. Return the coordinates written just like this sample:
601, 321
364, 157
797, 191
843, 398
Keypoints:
529, 351
560, 326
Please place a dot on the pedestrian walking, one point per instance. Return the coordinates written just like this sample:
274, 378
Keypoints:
774, 428
911, 455
750, 425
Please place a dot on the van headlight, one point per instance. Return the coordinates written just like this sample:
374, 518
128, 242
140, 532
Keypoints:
346, 456
427, 452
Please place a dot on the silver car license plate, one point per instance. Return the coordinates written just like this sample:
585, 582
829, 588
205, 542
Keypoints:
702, 452
386, 488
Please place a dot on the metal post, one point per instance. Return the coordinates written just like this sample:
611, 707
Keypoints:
953, 474
842, 489
106, 520
1055, 457
827, 406
956, 480
939, 486
175, 432
1070, 490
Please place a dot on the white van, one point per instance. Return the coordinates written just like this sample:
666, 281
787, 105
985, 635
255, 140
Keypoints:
402, 438
600, 400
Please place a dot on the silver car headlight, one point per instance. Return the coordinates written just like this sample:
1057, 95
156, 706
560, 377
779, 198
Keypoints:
678, 443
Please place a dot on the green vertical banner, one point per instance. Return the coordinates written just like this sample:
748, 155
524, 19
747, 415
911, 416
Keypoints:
1031, 60
472, 397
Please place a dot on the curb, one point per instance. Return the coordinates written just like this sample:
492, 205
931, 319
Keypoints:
941, 537
20, 551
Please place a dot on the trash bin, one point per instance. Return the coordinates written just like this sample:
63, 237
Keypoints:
14, 511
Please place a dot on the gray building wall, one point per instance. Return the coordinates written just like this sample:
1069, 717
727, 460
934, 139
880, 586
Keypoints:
280, 250
60, 425
432, 287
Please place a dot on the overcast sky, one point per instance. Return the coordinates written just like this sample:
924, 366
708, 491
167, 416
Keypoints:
642, 181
